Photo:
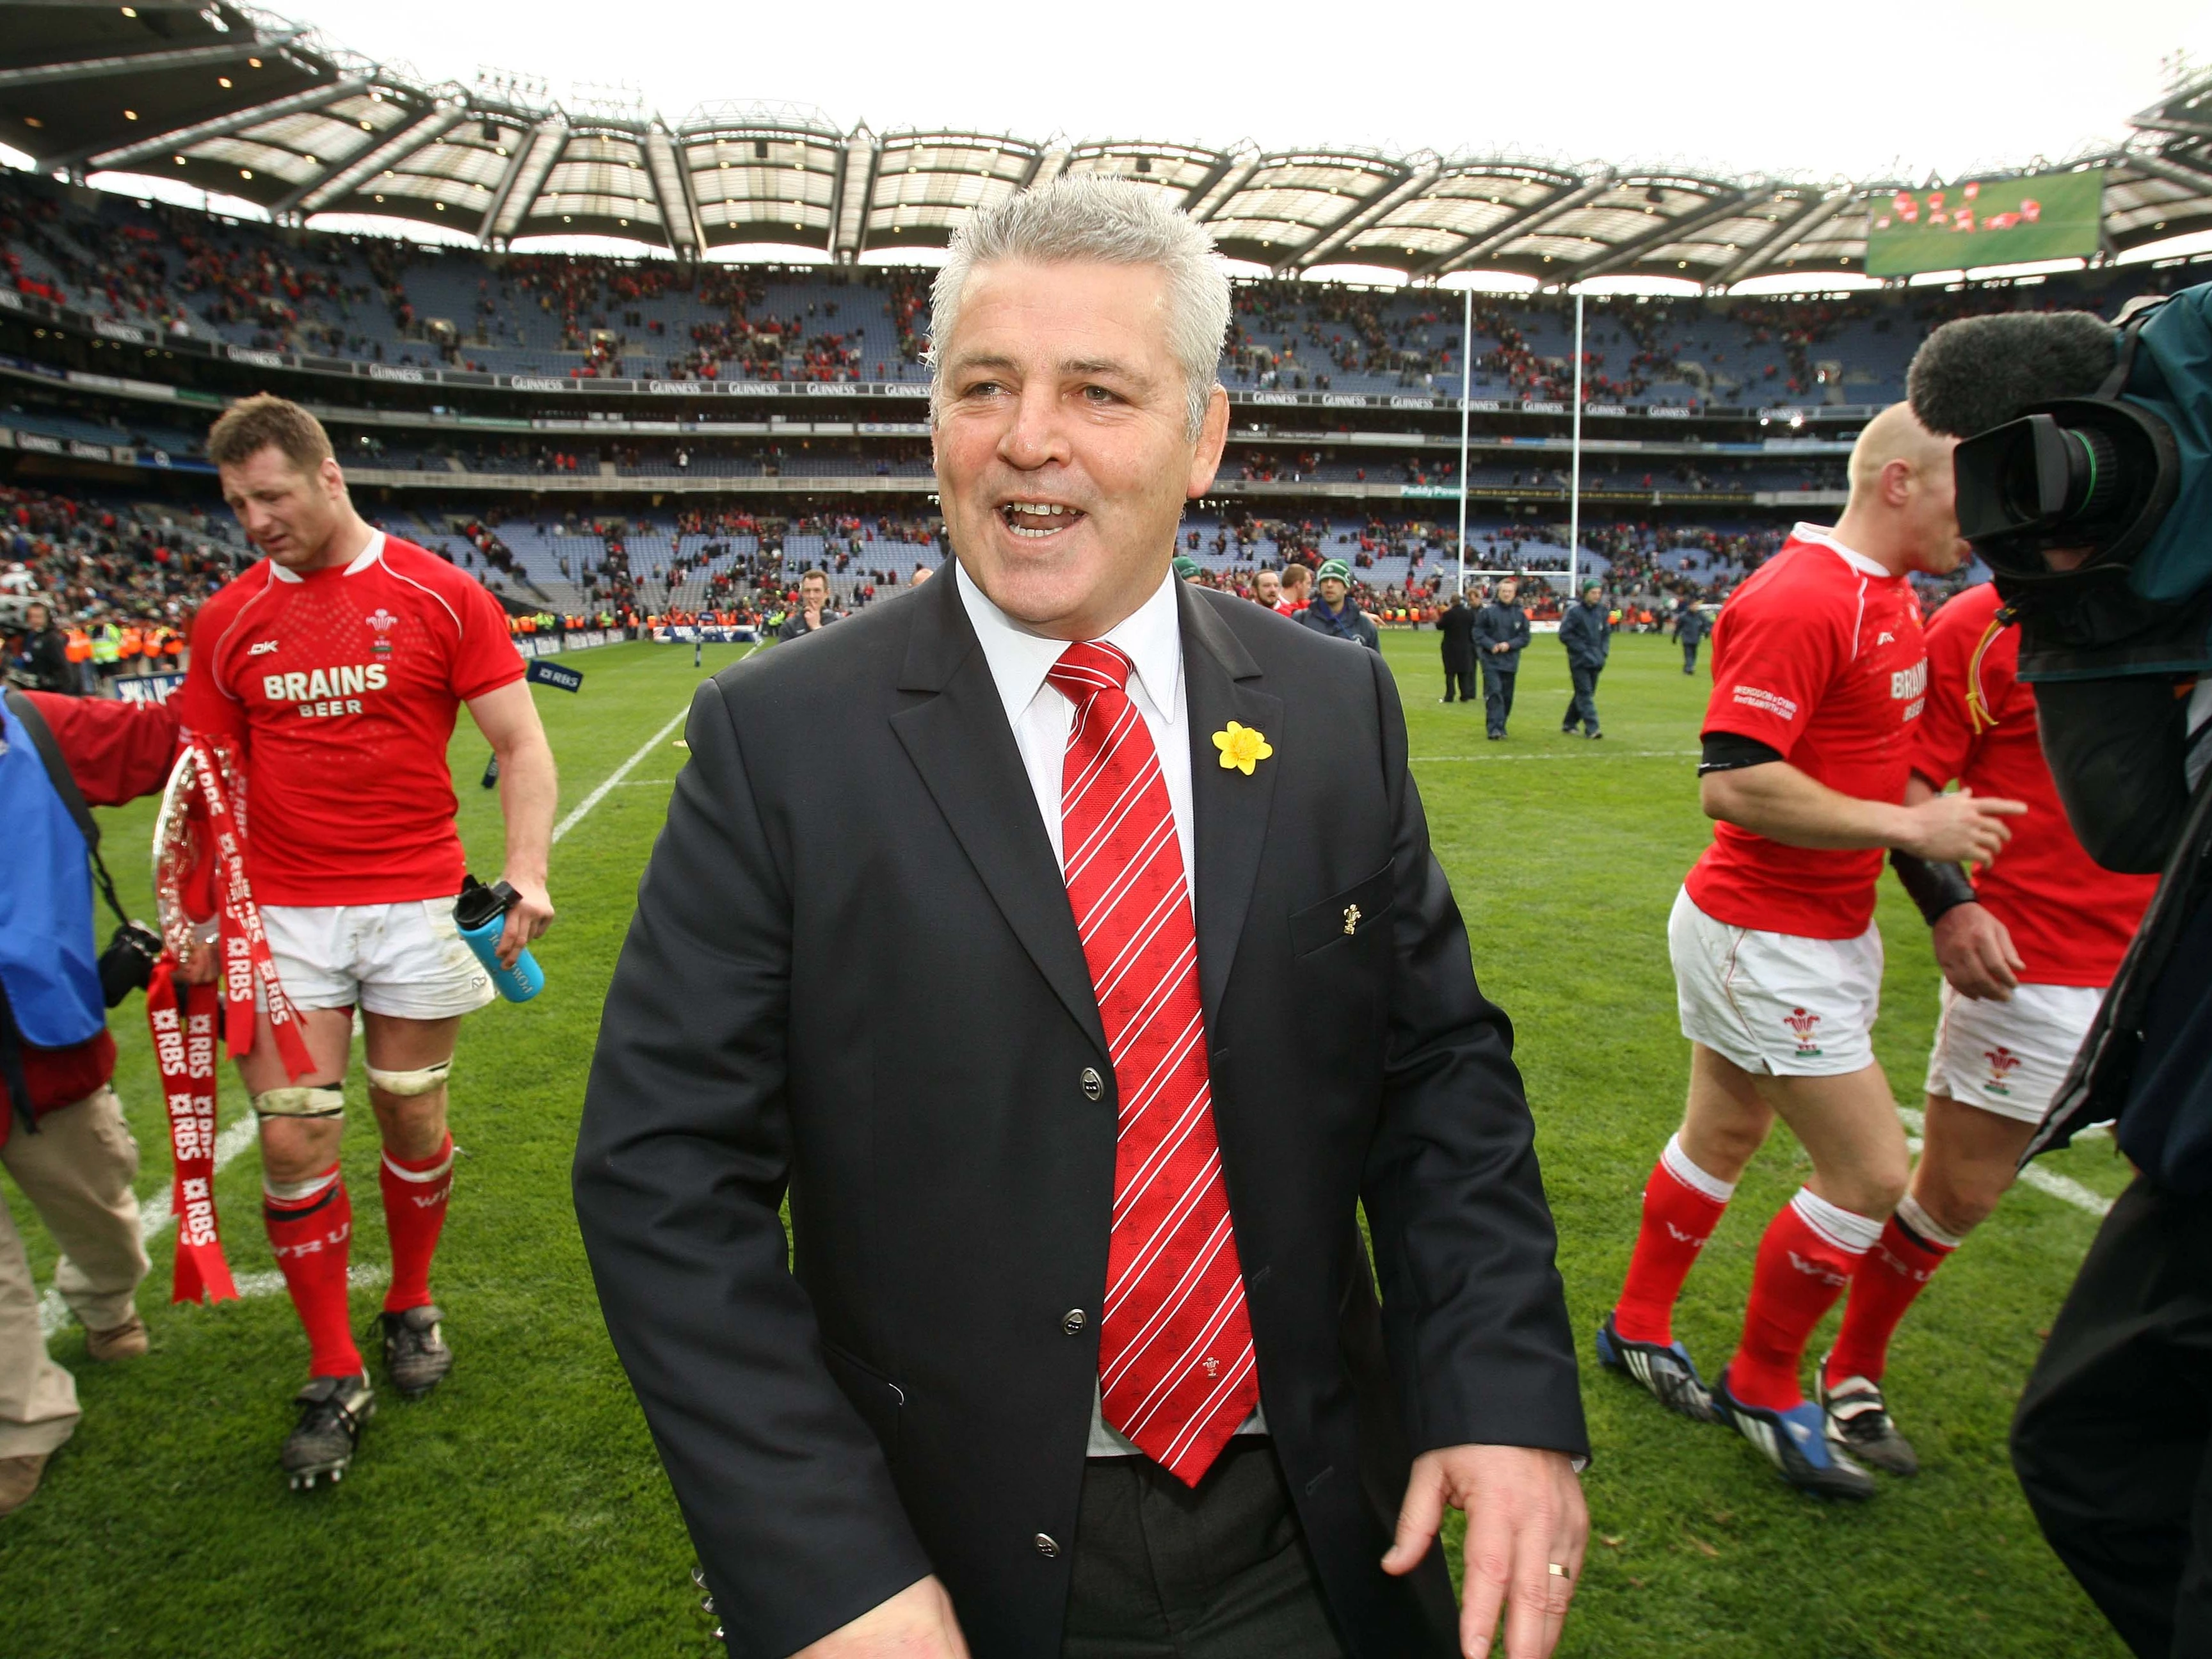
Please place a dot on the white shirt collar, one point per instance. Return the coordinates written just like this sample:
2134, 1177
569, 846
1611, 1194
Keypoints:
1019, 660
361, 561
1826, 538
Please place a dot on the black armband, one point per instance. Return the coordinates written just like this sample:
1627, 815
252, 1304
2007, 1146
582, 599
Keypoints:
1936, 887
1729, 751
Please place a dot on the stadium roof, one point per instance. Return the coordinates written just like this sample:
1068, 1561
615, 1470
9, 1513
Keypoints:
228, 99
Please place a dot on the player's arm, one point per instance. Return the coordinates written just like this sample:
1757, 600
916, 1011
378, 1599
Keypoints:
529, 788
1973, 949
1747, 782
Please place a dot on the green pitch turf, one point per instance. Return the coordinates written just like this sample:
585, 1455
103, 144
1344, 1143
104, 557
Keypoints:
521, 1510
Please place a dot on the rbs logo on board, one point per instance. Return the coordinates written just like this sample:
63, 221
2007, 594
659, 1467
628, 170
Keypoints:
326, 691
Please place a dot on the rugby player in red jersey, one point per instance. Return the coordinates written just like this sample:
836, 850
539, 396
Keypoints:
2026, 948
333, 669
1819, 674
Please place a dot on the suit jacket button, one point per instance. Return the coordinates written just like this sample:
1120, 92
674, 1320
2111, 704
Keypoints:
1072, 1320
1094, 1086
1046, 1547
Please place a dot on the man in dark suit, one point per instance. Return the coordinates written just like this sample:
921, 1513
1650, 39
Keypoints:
1689, 632
1588, 640
1077, 1349
1456, 626
1501, 631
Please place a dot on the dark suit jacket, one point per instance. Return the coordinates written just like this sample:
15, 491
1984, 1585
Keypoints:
859, 983
1456, 623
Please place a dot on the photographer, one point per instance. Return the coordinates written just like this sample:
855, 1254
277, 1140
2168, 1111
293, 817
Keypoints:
61, 1132
40, 657
2085, 480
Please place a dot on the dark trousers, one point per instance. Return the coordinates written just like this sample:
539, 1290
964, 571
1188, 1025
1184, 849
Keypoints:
1459, 685
1689, 656
1498, 696
2112, 1436
1163, 1570
1582, 709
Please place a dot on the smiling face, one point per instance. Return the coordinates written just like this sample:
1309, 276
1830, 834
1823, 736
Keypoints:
1269, 587
292, 516
1063, 457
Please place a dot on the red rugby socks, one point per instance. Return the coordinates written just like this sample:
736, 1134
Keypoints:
414, 1191
1806, 1259
1894, 1273
310, 1226
1682, 1205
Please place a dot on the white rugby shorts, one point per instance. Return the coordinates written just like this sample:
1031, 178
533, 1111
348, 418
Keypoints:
1776, 1002
405, 959
2009, 1057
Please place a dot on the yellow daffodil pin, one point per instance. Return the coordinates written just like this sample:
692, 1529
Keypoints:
1242, 747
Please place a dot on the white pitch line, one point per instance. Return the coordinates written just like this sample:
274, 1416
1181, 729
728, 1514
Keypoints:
2065, 1189
622, 771
1577, 755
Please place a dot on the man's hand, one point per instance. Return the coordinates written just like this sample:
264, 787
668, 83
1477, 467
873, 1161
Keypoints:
1524, 1516
915, 1624
531, 914
1961, 828
1975, 951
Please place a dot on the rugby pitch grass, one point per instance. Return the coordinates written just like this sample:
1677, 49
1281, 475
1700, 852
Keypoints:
520, 1509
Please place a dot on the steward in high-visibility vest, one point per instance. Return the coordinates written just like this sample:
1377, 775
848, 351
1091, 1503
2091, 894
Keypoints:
106, 646
76, 645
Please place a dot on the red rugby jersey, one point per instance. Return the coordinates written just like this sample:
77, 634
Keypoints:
1818, 655
2070, 917
342, 687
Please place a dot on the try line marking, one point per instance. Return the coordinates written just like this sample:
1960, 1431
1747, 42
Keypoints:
155, 1216
585, 805
1577, 755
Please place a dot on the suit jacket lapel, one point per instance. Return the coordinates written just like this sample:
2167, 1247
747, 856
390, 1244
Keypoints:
1220, 686
959, 742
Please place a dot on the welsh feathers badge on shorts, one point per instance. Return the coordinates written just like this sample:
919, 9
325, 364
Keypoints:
381, 622
1803, 1026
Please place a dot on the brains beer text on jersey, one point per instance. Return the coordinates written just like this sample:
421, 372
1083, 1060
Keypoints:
321, 692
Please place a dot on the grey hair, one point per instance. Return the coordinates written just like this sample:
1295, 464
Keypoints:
1105, 221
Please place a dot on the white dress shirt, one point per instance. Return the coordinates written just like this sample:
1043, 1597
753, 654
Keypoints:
1041, 716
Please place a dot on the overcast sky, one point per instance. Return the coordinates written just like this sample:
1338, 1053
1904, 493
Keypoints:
1876, 88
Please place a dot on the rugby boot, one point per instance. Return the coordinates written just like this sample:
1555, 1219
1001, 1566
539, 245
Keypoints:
1796, 1442
333, 1412
1665, 1368
415, 1356
1859, 1423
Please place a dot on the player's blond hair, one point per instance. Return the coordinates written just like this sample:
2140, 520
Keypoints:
264, 420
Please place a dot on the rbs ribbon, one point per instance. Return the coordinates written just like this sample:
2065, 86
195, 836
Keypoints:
246, 955
184, 1045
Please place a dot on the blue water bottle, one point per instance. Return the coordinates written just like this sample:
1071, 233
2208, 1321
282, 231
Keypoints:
480, 914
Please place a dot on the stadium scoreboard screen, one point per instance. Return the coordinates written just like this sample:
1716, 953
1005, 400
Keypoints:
2045, 215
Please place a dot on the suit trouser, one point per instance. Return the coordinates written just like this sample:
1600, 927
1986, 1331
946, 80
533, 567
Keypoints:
1459, 685
2111, 1441
1498, 694
76, 1171
1689, 656
1582, 709
1221, 1571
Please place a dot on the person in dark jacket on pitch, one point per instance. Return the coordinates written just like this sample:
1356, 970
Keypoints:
1585, 632
1335, 612
41, 657
1456, 625
1690, 626
1501, 629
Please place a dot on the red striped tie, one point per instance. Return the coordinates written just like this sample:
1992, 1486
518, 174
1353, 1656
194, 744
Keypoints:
1174, 1344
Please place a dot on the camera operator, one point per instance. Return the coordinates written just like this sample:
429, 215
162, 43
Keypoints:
2085, 481
40, 657
61, 1132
